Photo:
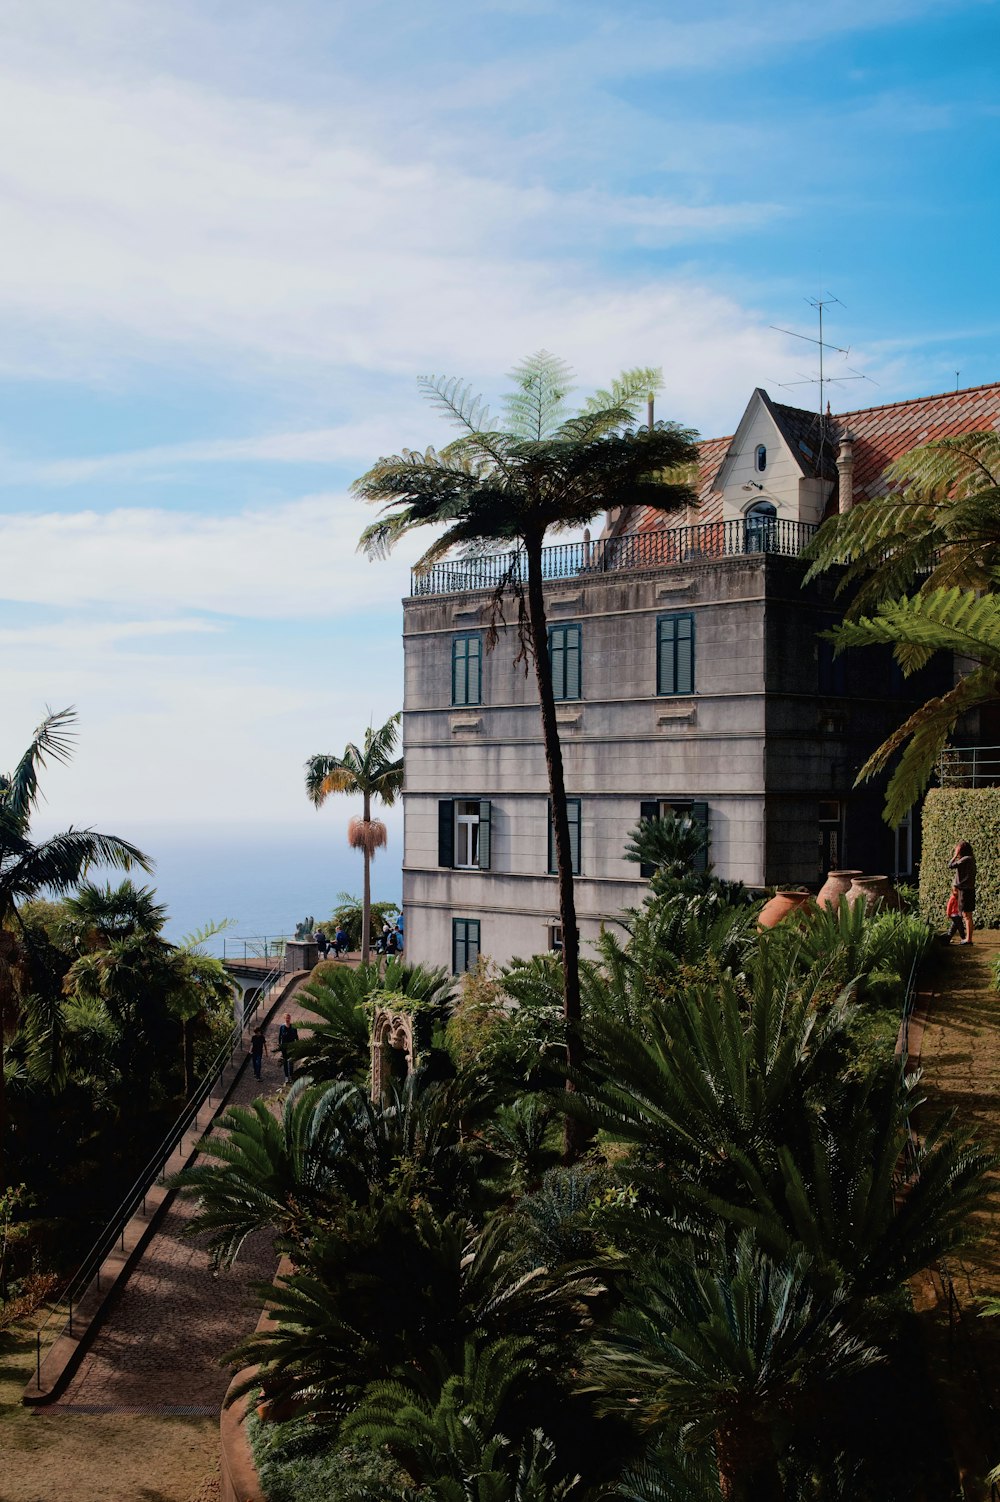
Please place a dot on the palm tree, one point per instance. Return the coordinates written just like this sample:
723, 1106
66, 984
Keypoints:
373, 772
543, 470
26, 868
921, 557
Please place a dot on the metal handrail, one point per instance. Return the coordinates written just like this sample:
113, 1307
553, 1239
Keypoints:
135, 1196
254, 947
969, 766
662, 548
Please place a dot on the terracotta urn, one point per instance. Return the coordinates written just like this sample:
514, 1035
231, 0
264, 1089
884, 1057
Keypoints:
878, 892
837, 885
782, 905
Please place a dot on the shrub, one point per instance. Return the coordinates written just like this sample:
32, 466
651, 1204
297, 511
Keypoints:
950, 815
296, 1463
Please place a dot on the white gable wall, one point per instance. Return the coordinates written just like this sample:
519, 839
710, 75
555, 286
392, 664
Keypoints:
795, 497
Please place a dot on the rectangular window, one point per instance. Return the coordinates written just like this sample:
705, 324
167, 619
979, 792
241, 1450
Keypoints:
464, 833
464, 944
573, 810
675, 654
467, 668
564, 655
681, 808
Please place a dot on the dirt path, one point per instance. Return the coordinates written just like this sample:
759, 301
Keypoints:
140, 1420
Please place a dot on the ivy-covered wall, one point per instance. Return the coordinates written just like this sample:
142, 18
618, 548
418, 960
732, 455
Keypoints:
950, 815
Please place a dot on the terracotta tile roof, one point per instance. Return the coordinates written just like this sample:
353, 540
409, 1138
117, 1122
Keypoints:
881, 434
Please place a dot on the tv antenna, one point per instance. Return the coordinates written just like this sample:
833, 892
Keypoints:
822, 380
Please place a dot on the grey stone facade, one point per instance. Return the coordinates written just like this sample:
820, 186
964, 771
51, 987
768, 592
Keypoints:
770, 740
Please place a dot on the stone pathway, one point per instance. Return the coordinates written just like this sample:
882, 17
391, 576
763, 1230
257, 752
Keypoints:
158, 1351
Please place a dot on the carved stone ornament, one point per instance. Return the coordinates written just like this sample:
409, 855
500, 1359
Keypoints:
392, 1050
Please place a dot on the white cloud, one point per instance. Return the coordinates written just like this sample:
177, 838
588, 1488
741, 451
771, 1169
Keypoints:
78, 635
295, 561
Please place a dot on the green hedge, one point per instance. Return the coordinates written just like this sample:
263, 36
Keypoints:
950, 815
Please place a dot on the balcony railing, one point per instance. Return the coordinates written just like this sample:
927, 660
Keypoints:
970, 767
633, 550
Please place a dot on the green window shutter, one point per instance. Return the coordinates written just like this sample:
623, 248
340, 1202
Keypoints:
557, 658
466, 669
573, 808
649, 808
446, 832
684, 659
573, 814
484, 835
675, 654
464, 944
565, 654
699, 815
573, 664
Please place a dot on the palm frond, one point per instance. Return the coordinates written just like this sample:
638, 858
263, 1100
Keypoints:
54, 738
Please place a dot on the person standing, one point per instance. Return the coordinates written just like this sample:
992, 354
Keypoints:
963, 863
258, 1048
288, 1034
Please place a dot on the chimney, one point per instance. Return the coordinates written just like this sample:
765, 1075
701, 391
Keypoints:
845, 472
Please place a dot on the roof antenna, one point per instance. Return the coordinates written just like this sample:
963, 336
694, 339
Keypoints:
957, 374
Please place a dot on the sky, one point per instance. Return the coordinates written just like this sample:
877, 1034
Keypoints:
234, 234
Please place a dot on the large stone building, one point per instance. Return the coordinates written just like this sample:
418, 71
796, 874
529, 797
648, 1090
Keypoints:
690, 675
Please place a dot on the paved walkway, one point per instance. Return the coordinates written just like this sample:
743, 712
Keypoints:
960, 1061
159, 1348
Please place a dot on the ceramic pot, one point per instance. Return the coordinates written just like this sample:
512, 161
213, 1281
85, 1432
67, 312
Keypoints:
837, 885
782, 905
878, 892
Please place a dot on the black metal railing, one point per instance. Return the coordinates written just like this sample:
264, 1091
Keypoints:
59, 1315
970, 766
634, 550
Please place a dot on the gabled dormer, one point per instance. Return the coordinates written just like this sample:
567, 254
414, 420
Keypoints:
780, 457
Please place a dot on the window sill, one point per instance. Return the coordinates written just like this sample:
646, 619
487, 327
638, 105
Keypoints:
684, 712
468, 725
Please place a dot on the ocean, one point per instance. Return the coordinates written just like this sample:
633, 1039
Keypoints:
266, 882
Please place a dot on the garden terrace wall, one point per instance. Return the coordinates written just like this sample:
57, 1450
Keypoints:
950, 815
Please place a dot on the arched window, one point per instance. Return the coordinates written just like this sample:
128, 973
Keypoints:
762, 527
760, 458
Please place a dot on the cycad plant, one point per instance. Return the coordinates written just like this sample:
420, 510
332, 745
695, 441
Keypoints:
721, 1353
337, 1046
509, 485
371, 771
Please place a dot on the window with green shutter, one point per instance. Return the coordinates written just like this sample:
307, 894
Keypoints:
467, 668
464, 833
564, 655
464, 944
675, 654
573, 811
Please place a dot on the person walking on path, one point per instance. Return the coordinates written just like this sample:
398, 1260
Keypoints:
288, 1034
258, 1048
963, 863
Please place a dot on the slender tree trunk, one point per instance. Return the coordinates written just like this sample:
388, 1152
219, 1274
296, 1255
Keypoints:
575, 1134
366, 899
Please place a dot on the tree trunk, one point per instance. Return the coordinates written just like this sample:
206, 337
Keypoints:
575, 1134
748, 1467
188, 1041
366, 899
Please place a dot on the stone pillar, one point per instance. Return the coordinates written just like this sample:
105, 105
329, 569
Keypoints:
845, 472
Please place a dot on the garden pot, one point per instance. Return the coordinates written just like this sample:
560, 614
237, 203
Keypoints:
878, 892
781, 905
837, 885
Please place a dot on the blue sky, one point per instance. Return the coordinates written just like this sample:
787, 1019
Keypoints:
234, 235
